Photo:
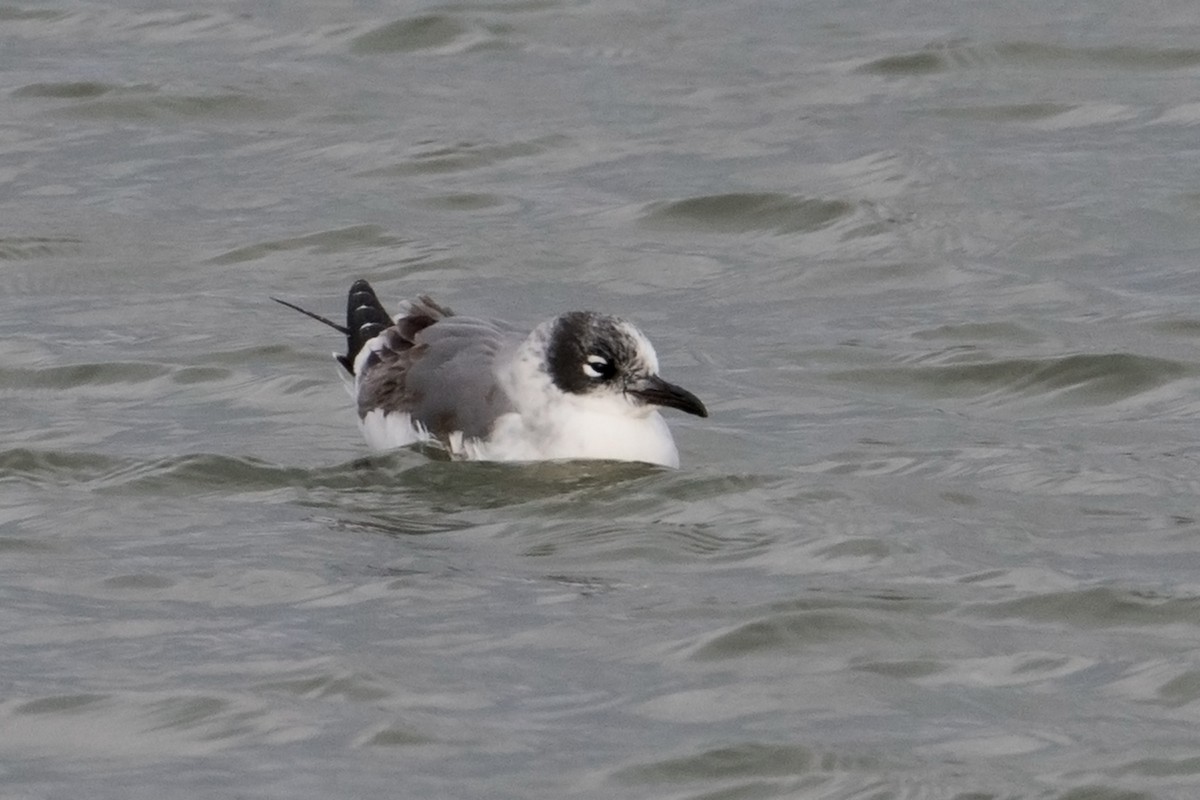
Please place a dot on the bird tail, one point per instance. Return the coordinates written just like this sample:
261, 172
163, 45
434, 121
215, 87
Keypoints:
365, 319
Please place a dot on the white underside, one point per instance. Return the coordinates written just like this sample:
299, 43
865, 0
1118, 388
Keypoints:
582, 435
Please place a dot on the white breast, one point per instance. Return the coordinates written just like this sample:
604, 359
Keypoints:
572, 433
580, 434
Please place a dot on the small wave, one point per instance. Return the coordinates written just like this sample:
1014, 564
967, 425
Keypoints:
210, 472
1161, 767
919, 63
788, 632
175, 722
20, 14
467, 201
1079, 379
1104, 607
354, 686
74, 375
54, 467
354, 484
187, 473
142, 105
1006, 112
747, 759
366, 491
752, 768
808, 624
1180, 690
465, 156
396, 735
424, 32
107, 373
1127, 56
338, 240
746, 212
607, 541
240, 475
1025, 55
20, 248
973, 332
59, 704
66, 90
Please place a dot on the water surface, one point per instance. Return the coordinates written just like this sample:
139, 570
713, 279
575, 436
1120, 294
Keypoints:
931, 267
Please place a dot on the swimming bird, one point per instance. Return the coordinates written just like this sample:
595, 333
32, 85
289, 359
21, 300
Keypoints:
580, 385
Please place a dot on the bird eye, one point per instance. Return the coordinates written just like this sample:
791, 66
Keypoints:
597, 367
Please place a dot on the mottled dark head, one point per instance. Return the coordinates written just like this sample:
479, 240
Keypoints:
600, 356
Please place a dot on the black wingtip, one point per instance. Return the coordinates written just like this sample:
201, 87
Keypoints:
366, 318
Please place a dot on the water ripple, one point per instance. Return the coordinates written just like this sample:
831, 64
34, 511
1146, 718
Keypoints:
154, 722
1028, 55
1077, 380
808, 624
445, 33
746, 212
76, 375
465, 156
22, 13
338, 240
67, 90
1103, 607
744, 760
19, 248
149, 104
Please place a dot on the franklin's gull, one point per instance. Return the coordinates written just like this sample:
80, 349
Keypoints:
579, 386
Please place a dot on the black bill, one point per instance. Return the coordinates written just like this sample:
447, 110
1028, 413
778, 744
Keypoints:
655, 391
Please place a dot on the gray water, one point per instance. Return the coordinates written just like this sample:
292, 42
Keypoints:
931, 265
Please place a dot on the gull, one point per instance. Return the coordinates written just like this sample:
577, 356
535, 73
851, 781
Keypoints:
580, 385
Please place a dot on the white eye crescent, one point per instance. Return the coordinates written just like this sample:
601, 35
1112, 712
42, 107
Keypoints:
596, 367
